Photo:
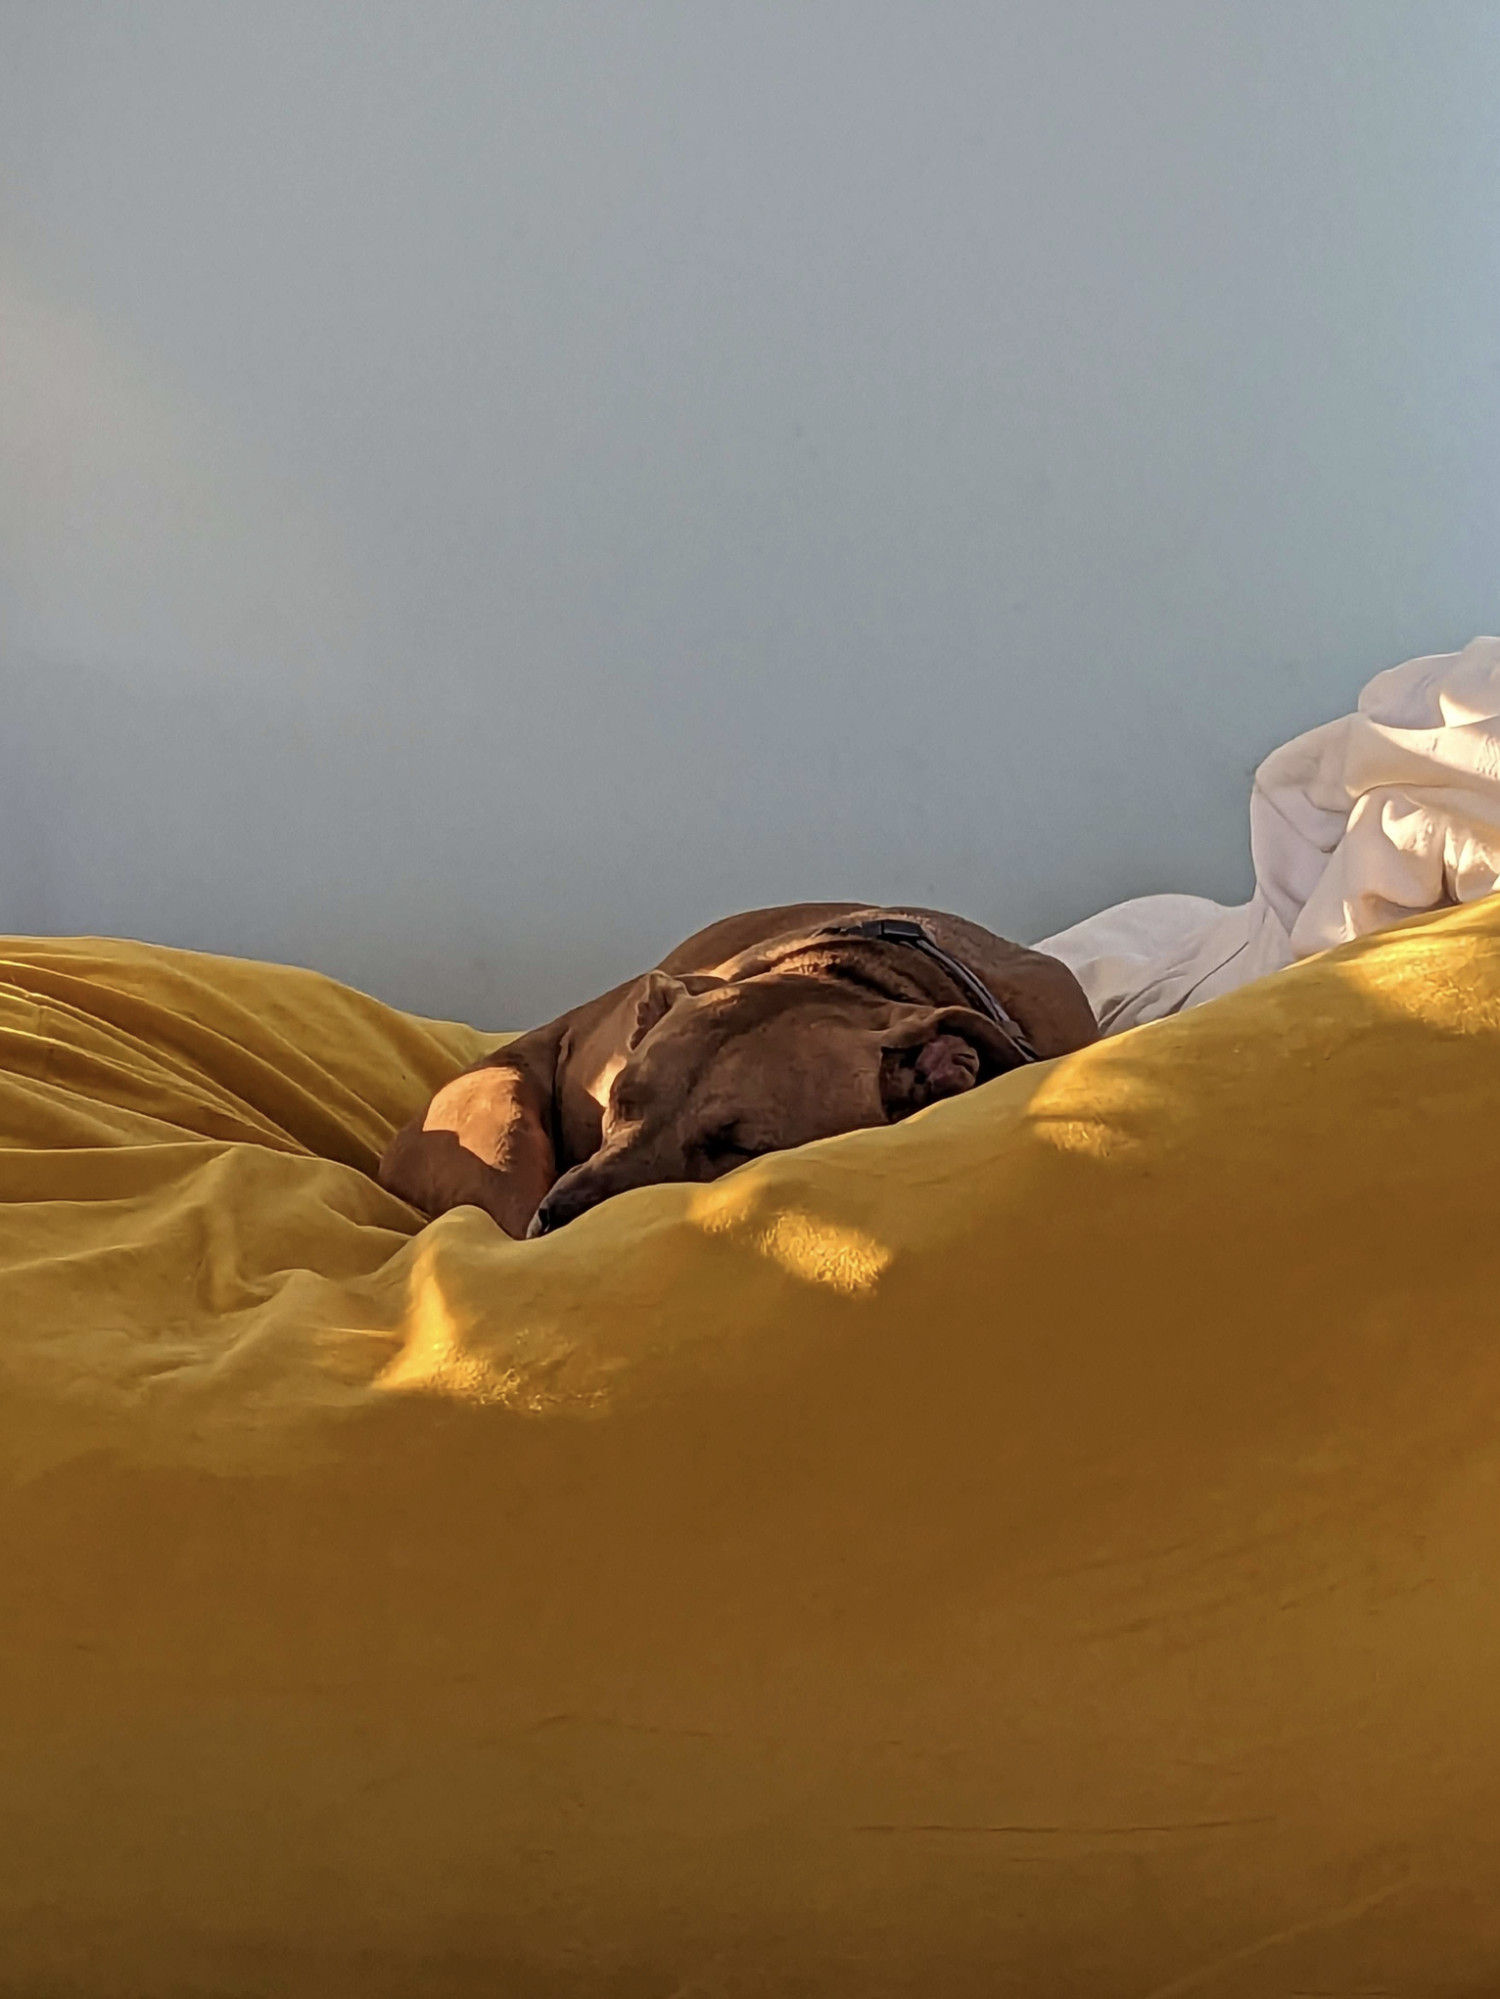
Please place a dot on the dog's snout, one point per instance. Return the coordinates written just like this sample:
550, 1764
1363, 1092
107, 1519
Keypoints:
563, 1205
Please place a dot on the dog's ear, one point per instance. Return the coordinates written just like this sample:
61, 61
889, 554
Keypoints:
659, 993
931, 1052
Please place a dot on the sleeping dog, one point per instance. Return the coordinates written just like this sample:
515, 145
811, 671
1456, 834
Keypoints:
762, 1032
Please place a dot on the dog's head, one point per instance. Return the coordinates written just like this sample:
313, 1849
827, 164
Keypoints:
718, 1072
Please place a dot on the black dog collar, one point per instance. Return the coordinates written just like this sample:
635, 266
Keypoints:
904, 930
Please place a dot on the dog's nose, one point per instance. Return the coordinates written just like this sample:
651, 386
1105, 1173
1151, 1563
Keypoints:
579, 1189
563, 1205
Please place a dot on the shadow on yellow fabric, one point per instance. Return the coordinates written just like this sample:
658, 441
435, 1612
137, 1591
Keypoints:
1051, 1547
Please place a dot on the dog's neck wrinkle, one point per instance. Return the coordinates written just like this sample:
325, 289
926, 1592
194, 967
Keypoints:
889, 971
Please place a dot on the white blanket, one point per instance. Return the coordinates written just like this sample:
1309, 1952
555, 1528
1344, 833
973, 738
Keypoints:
1387, 812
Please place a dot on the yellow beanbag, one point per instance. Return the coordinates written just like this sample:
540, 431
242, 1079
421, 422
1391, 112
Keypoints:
1049, 1548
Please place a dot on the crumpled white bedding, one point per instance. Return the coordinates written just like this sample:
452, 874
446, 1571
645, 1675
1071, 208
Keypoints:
1383, 814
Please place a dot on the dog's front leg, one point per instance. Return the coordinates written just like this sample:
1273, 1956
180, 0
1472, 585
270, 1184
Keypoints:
484, 1141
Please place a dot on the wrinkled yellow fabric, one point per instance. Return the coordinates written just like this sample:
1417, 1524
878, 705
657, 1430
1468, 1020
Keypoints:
1050, 1548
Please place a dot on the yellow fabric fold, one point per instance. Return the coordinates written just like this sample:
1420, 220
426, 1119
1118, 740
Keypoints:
1051, 1547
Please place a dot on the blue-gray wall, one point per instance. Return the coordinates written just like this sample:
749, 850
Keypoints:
486, 487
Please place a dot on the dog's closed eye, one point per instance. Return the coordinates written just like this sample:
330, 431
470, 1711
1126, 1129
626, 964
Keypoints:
623, 1108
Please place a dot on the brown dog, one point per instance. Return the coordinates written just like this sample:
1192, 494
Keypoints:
762, 1032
